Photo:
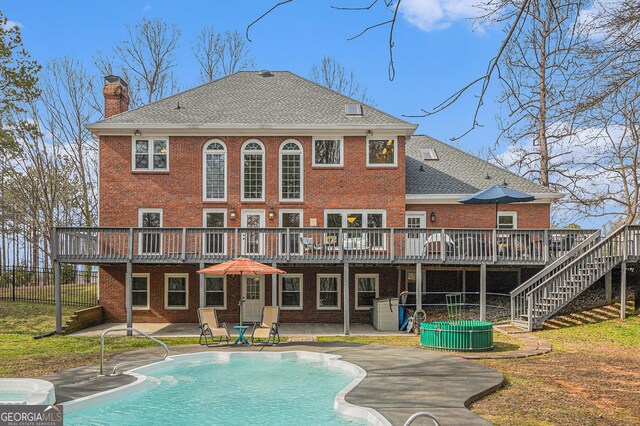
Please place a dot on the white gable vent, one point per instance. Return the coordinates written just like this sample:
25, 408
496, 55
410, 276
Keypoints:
429, 154
353, 109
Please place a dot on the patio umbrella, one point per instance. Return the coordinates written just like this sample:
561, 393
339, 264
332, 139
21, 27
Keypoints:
497, 194
240, 266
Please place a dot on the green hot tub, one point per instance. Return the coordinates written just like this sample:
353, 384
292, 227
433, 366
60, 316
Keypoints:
461, 336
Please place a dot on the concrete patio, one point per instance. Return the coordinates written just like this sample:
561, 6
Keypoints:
192, 330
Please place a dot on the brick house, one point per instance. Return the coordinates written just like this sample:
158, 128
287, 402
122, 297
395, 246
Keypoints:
271, 166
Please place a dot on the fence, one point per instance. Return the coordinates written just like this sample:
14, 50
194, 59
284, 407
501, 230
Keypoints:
23, 284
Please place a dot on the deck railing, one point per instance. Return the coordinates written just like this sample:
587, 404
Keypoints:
315, 245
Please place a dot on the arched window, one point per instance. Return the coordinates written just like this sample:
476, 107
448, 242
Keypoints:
252, 165
214, 171
291, 168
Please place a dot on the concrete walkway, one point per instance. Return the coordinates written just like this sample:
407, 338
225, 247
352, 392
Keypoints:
400, 381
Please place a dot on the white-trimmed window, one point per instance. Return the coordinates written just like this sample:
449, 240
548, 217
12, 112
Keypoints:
507, 220
215, 241
367, 287
291, 171
291, 291
382, 152
328, 152
214, 171
176, 291
359, 219
252, 170
328, 291
140, 291
150, 242
291, 219
216, 291
150, 154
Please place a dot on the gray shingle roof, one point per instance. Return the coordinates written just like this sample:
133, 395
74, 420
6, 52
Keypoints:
248, 99
457, 172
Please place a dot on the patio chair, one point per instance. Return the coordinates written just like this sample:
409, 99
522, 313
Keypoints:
268, 327
309, 245
210, 329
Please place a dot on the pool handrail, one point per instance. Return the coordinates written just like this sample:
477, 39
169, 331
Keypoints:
414, 416
141, 333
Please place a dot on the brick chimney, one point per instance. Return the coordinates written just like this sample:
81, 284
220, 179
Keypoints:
116, 95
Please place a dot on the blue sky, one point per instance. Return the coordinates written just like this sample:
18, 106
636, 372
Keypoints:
436, 50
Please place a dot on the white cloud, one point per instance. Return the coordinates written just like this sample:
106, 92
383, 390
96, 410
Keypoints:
433, 15
11, 24
147, 7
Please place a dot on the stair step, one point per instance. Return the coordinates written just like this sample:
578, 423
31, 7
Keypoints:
520, 324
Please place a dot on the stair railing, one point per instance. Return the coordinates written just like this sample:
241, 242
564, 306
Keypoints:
141, 333
574, 277
519, 304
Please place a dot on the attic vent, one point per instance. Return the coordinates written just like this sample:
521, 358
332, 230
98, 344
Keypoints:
265, 73
353, 109
429, 154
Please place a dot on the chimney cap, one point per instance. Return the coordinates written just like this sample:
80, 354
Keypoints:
114, 79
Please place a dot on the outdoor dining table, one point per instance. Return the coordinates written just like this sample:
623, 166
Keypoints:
241, 329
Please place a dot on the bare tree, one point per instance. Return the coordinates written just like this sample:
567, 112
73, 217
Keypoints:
331, 74
220, 55
146, 58
69, 96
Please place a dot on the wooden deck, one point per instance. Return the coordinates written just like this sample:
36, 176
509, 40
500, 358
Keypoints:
108, 245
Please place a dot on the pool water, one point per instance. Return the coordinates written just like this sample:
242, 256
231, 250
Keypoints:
235, 390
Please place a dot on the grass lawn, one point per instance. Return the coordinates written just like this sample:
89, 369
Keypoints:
22, 356
591, 377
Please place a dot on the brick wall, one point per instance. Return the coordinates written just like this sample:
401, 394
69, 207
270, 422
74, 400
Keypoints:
179, 191
532, 215
112, 294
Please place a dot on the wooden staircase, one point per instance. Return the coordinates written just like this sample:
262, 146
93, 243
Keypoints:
551, 289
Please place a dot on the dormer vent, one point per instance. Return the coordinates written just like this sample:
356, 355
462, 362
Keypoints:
353, 109
429, 154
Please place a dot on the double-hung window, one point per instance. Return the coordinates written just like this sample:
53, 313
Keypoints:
140, 291
176, 291
291, 171
328, 152
328, 295
151, 154
507, 220
382, 152
215, 171
291, 291
252, 171
215, 291
150, 242
367, 286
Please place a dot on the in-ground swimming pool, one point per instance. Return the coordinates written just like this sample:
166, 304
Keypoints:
231, 388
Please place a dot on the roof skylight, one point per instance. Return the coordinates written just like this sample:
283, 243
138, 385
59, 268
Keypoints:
429, 154
353, 109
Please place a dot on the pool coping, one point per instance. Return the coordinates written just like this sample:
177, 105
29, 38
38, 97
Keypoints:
141, 381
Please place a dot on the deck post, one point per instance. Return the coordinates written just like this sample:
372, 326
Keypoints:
345, 298
636, 286
58, 295
464, 286
483, 292
608, 287
203, 287
128, 297
418, 286
274, 286
623, 290
57, 288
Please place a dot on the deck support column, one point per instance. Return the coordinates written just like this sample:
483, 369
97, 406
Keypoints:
345, 298
128, 297
483, 292
418, 286
203, 288
623, 290
636, 287
274, 286
58, 295
464, 286
608, 293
